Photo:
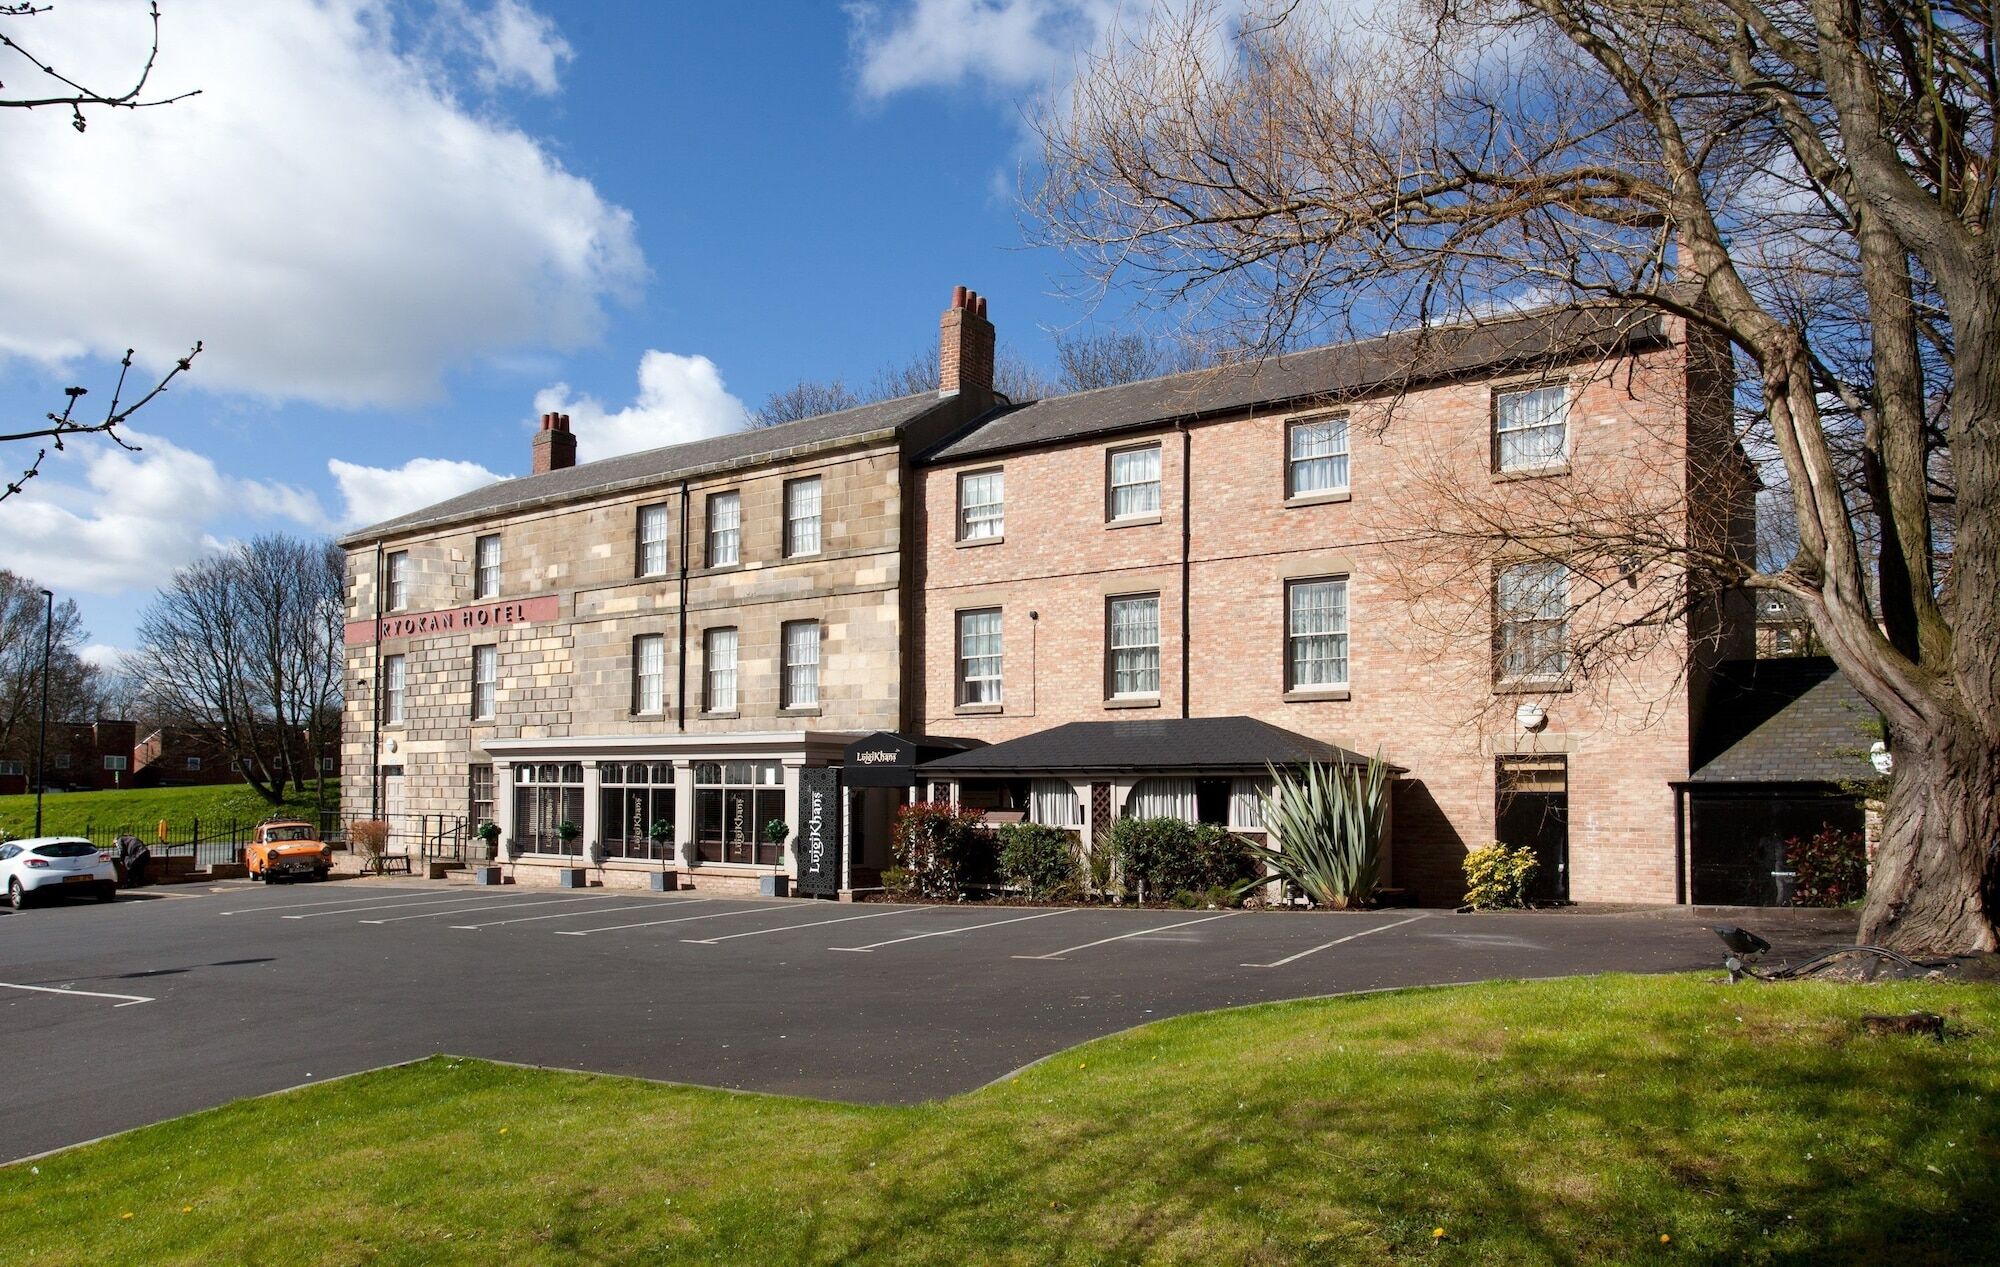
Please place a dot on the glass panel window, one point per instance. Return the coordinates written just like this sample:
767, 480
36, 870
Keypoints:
479, 794
396, 585
1054, 803
1135, 645
718, 659
193, 763
485, 677
801, 682
1135, 482
982, 505
392, 690
649, 673
546, 797
1530, 428
1316, 633
734, 803
979, 657
486, 566
636, 810
1531, 611
117, 763
1316, 457
653, 540
802, 516
725, 529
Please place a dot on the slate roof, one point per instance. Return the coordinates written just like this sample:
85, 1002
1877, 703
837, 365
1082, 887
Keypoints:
1166, 745
755, 444
1341, 371
1789, 720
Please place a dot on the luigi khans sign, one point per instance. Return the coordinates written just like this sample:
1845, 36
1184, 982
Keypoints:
457, 620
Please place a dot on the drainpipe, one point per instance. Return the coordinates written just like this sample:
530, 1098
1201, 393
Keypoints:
681, 690
1187, 538
375, 737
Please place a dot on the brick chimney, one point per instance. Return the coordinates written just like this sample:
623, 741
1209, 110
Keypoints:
555, 447
965, 346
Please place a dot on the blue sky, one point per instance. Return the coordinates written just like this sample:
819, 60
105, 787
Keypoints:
403, 229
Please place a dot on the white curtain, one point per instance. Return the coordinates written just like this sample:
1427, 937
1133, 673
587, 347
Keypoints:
1053, 803
1162, 798
1246, 803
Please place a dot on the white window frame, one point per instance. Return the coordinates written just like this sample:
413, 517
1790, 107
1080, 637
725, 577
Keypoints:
485, 680
395, 685
1126, 659
396, 583
1114, 483
118, 764
718, 671
985, 519
1331, 455
1515, 621
724, 548
799, 663
653, 530
981, 673
1332, 639
1544, 458
649, 674
191, 764
485, 571
803, 526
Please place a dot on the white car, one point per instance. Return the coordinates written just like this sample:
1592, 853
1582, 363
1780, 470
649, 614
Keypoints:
49, 864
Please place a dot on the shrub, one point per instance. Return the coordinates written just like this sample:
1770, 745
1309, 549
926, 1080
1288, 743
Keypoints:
1831, 866
942, 848
1498, 876
1162, 858
1326, 822
1042, 861
896, 883
368, 836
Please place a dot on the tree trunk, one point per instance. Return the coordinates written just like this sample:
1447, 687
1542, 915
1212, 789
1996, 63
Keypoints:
1936, 884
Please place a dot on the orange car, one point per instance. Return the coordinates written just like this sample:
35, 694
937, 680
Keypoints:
286, 847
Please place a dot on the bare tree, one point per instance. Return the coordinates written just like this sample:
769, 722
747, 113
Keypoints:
246, 646
1809, 184
73, 683
806, 398
1087, 360
50, 86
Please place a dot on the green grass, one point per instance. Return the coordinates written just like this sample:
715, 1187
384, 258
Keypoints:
140, 809
1574, 1121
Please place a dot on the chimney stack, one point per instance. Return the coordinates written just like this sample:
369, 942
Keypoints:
554, 447
965, 346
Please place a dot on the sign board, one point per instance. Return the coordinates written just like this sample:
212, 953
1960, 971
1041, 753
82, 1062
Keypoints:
473, 619
883, 759
817, 846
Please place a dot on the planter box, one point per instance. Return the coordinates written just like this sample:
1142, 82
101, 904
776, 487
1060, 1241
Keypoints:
573, 878
664, 881
487, 875
774, 886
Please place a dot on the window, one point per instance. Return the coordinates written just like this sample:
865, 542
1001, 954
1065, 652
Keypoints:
649, 673
13, 767
1054, 803
396, 590
982, 505
802, 516
1134, 483
653, 540
62, 761
733, 802
1316, 456
1530, 428
331, 765
1135, 645
486, 566
718, 660
192, 763
801, 680
1785, 642
392, 690
546, 796
485, 678
725, 529
1316, 634
979, 657
637, 800
1531, 607
117, 763
478, 794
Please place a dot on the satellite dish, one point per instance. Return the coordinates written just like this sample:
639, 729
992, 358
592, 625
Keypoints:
1532, 717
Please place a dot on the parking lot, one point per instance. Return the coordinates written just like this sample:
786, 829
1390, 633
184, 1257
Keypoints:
179, 999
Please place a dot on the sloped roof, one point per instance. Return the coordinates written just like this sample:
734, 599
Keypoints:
1343, 370
1165, 745
755, 444
1790, 720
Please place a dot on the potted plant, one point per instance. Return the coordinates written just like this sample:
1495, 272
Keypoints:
570, 877
487, 870
776, 832
661, 833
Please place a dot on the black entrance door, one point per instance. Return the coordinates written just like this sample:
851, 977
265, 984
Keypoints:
1532, 811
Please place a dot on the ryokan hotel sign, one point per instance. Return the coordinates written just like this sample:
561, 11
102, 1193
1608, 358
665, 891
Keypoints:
457, 620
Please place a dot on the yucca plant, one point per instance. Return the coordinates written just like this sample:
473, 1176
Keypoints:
1326, 823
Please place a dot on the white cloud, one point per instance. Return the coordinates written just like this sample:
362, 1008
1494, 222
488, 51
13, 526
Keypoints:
104, 656
1010, 44
370, 494
135, 517
326, 215
680, 398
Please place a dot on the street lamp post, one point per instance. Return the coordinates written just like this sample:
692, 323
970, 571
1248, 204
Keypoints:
42, 739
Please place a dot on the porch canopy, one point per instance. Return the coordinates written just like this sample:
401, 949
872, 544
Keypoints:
1210, 746
887, 759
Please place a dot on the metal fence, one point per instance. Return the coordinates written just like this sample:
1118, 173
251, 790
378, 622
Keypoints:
430, 837
206, 842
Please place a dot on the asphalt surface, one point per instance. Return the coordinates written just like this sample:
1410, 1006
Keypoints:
179, 999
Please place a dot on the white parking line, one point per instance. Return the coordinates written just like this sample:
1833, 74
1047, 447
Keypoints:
786, 928
946, 932
484, 906
387, 895
1141, 932
376, 906
130, 999
1379, 928
529, 919
613, 928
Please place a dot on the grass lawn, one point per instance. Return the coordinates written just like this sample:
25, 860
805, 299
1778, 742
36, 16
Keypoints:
140, 809
1612, 1119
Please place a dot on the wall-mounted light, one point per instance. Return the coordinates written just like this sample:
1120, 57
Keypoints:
1532, 718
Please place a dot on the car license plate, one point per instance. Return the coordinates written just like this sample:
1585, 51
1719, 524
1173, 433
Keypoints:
78, 879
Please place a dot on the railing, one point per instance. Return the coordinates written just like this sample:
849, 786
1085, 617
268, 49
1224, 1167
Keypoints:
429, 837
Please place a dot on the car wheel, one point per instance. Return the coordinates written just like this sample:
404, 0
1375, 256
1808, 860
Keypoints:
106, 893
322, 872
266, 876
17, 897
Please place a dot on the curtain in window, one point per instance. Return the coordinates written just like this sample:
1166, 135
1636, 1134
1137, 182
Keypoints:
1135, 646
1533, 603
802, 664
392, 689
486, 567
653, 540
1135, 483
1319, 456
719, 661
982, 505
649, 674
725, 529
1053, 803
1319, 633
485, 671
1531, 426
802, 517
979, 657
1162, 798
1246, 803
